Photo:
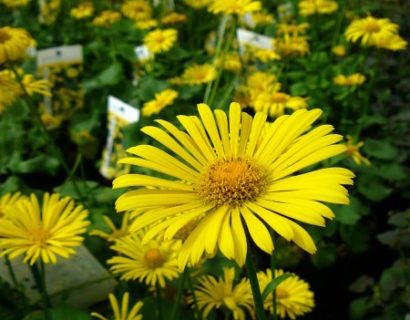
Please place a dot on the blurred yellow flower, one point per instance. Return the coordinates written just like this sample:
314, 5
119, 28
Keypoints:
15, 3
370, 29
293, 295
292, 45
393, 43
51, 122
82, 11
136, 10
33, 86
293, 28
354, 153
107, 18
226, 174
13, 43
43, 232
146, 24
162, 99
7, 201
262, 18
198, 74
355, 79
159, 40
265, 55
197, 4
339, 50
173, 17
311, 7
231, 7
153, 261
232, 62
213, 293
115, 233
9, 89
123, 313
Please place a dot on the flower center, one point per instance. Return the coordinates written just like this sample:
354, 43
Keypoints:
39, 235
281, 293
232, 182
160, 38
372, 26
4, 36
153, 258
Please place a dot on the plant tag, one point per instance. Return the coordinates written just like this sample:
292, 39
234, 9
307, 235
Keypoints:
143, 53
248, 20
260, 41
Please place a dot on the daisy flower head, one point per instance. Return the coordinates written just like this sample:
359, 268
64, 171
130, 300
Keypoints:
231, 62
370, 29
226, 176
354, 153
146, 24
213, 293
293, 28
393, 43
311, 7
159, 40
136, 10
355, 79
154, 261
292, 45
15, 3
339, 50
13, 43
116, 233
173, 18
262, 18
234, 7
293, 295
7, 201
162, 99
43, 232
107, 18
121, 313
198, 74
84, 10
9, 89
197, 4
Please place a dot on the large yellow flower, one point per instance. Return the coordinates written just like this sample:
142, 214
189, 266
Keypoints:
162, 99
293, 296
198, 74
43, 232
160, 40
225, 173
230, 7
214, 293
121, 314
370, 29
310, 7
154, 261
13, 43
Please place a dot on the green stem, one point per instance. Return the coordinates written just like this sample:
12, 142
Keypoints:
272, 266
191, 288
11, 272
179, 295
44, 295
256, 292
159, 302
339, 23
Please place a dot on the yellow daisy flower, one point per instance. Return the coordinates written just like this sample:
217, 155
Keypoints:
293, 296
7, 201
15, 3
198, 74
51, 122
136, 10
225, 172
311, 7
43, 232
13, 43
293, 28
82, 11
173, 17
154, 261
146, 24
33, 86
265, 55
160, 40
115, 233
121, 314
197, 4
162, 99
232, 62
213, 293
393, 43
355, 79
259, 82
107, 18
339, 50
290, 46
354, 153
262, 18
275, 102
9, 89
231, 7
369, 29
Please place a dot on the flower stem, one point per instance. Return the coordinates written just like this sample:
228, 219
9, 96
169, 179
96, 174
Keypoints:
44, 295
11, 272
191, 288
159, 302
272, 266
256, 292
179, 295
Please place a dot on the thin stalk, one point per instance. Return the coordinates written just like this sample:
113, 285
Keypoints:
57, 151
159, 302
179, 295
272, 266
256, 292
44, 295
220, 70
191, 288
339, 23
11, 272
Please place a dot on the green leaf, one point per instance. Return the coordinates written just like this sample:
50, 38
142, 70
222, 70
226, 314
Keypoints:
372, 188
350, 214
390, 171
400, 219
108, 77
148, 86
380, 149
356, 237
274, 284
324, 257
41, 163
360, 307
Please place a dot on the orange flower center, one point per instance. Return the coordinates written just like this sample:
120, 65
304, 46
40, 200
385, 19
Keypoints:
281, 293
372, 26
153, 258
39, 236
232, 182
4, 36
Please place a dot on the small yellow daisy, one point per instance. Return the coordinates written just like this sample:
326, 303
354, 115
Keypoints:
13, 43
231, 7
162, 99
159, 40
121, 314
